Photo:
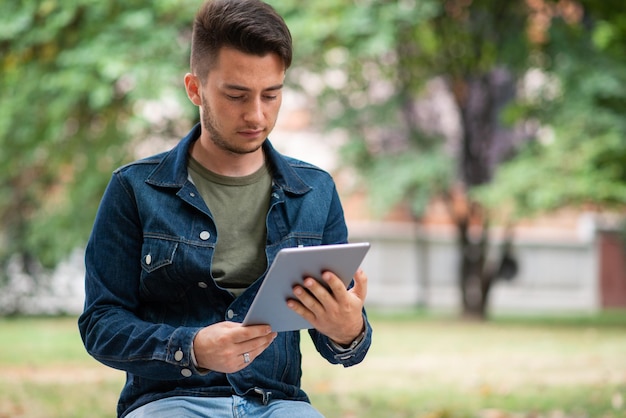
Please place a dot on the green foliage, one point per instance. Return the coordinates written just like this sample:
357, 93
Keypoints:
579, 158
367, 65
361, 64
74, 76
413, 176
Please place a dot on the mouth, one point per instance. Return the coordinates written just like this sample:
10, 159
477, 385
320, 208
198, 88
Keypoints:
251, 133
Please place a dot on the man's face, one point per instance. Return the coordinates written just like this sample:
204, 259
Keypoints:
240, 99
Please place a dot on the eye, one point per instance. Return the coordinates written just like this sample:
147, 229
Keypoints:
234, 98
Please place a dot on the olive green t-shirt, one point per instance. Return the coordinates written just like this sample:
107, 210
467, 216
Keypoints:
239, 207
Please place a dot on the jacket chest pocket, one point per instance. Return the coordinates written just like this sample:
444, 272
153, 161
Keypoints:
159, 281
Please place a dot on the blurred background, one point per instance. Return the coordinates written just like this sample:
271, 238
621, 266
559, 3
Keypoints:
479, 145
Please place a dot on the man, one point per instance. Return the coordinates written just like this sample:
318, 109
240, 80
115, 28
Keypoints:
182, 241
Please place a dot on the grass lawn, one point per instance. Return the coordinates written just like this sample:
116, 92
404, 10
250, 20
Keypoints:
419, 366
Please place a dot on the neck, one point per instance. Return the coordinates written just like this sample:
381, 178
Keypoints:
227, 163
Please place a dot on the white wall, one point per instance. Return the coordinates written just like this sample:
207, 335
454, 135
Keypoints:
408, 267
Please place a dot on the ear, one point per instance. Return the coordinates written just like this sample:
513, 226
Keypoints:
192, 86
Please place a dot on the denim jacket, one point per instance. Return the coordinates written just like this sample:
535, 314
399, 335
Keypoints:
149, 288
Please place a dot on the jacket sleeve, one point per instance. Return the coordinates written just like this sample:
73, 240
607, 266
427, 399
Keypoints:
336, 233
346, 357
110, 325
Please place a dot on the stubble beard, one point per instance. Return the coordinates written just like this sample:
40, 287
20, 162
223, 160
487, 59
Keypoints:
209, 125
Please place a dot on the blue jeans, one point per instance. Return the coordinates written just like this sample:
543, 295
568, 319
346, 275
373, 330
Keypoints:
233, 407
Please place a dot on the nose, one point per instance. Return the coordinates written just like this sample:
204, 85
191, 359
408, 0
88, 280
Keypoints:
254, 112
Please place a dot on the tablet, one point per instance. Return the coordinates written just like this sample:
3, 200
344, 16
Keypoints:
289, 268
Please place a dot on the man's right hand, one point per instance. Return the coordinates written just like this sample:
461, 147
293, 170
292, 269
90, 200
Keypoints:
222, 347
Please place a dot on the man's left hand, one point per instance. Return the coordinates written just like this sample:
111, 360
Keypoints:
336, 314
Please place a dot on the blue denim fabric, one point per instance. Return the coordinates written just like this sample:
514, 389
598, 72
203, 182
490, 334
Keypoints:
149, 288
232, 407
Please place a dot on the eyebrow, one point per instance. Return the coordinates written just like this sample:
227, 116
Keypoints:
243, 88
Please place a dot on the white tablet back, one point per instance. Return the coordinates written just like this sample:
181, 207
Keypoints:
290, 266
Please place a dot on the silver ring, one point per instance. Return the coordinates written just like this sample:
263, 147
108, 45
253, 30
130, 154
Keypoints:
246, 358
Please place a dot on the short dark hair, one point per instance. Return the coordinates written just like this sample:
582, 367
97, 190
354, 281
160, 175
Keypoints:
249, 26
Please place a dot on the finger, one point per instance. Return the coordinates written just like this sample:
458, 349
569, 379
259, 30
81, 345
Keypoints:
335, 284
253, 348
360, 285
250, 332
255, 345
322, 296
299, 306
306, 296
259, 343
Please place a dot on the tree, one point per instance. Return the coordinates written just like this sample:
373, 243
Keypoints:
76, 80
376, 60
380, 57
579, 160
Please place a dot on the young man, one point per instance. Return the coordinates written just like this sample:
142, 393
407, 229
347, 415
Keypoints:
182, 241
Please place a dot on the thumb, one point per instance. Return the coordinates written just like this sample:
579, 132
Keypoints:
360, 285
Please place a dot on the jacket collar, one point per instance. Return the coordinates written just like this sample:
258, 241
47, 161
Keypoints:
172, 169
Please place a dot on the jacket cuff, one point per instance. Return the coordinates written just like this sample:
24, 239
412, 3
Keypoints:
199, 370
353, 354
181, 354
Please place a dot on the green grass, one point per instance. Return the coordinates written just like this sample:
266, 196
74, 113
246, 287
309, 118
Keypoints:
45, 372
423, 365
420, 366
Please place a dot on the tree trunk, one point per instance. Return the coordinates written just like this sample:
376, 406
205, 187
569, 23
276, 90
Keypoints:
479, 100
475, 276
